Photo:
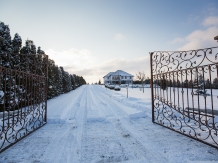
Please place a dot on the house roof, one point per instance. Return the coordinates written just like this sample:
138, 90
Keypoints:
118, 72
109, 74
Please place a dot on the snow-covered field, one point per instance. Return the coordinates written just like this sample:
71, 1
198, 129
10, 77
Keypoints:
93, 124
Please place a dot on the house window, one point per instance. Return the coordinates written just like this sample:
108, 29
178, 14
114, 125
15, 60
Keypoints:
125, 77
108, 78
130, 77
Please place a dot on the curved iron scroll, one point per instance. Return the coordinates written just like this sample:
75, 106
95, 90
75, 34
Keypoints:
184, 92
23, 96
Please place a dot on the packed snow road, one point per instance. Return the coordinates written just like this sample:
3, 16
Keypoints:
94, 125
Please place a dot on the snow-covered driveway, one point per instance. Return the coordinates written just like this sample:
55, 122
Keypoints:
93, 124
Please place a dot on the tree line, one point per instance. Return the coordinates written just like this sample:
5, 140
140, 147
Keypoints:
18, 86
163, 82
195, 83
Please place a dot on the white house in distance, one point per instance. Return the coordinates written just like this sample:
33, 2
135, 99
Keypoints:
118, 77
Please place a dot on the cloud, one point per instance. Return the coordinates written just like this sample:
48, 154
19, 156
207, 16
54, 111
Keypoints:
178, 40
83, 63
72, 58
119, 37
209, 21
202, 38
130, 66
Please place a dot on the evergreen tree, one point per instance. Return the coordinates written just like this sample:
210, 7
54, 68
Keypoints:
76, 81
201, 81
61, 80
185, 84
17, 43
163, 83
207, 83
7, 84
27, 48
57, 80
215, 83
26, 61
178, 83
39, 51
82, 80
6, 45
170, 83
66, 81
6, 38
33, 49
190, 84
51, 79
72, 81
40, 57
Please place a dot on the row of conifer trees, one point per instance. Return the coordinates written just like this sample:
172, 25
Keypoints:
15, 59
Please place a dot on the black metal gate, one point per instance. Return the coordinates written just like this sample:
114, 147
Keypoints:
23, 96
184, 92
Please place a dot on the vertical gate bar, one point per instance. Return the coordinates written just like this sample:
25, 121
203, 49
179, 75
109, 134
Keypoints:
161, 97
187, 87
10, 97
34, 92
15, 95
178, 90
170, 83
25, 99
158, 89
31, 92
22, 89
46, 85
205, 96
199, 116
40, 92
182, 92
167, 88
193, 116
18, 94
28, 90
162, 90
174, 94
211, 92
6, 100
152, 96
3, 82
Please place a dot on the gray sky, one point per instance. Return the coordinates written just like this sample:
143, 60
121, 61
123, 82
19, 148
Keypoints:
93, 37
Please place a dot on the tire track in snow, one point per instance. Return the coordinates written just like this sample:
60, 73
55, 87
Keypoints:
69, 144
60, 143
123, 124
78, 117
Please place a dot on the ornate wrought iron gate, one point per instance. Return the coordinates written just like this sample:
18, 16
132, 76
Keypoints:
184, 92
23, 96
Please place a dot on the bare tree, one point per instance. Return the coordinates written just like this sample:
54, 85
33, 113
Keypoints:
141, 77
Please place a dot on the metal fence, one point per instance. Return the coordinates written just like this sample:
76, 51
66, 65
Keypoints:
185, 92
23, 96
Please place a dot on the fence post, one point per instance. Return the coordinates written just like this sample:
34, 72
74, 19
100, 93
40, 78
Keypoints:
46, 73
152, 93
127, 90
